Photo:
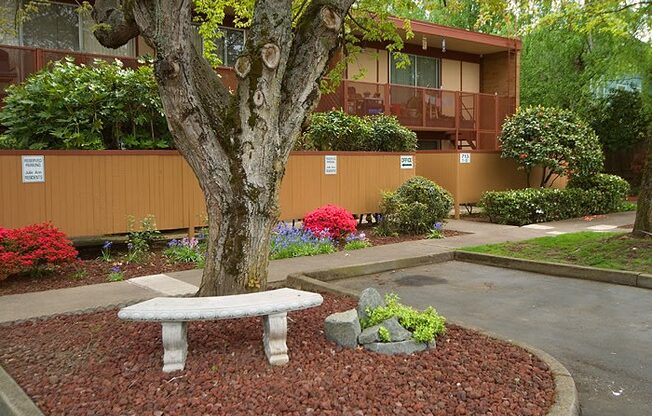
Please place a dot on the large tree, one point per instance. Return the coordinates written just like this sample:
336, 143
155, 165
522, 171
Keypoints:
238, 143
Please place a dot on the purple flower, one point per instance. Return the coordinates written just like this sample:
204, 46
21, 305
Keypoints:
439, 226
173, 243
107, 245
115, 269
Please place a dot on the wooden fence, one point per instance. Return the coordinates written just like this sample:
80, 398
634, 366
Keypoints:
87, 193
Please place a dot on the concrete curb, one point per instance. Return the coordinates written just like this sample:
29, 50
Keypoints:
618, 277
13, 399
566, 396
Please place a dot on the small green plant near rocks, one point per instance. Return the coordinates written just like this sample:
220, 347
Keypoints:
425, 325
383, 334
140, 239
414, 207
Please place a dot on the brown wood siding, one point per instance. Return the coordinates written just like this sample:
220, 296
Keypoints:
498, 74
93, 193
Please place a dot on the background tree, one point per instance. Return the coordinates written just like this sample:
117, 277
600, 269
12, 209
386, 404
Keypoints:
238, 144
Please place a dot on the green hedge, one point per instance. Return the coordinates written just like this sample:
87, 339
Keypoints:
613, 189
336, 130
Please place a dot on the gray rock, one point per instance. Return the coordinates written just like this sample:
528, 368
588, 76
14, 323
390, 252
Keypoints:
391, 348
432, 344
396, 332
369, 298
343, 328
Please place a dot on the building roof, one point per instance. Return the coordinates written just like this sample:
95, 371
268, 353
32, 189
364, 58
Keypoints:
457, 39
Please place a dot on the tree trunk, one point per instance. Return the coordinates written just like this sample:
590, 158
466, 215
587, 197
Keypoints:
237, 145
643, 223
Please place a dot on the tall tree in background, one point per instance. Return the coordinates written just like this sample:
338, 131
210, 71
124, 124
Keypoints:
238, 144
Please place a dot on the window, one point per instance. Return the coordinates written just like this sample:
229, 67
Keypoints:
229, 46
58, 26
422, 72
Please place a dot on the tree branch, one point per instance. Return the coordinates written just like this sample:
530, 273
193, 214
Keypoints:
115, 22
316, 40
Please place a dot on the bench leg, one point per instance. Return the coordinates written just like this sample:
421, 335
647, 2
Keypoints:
274, 336
175, 346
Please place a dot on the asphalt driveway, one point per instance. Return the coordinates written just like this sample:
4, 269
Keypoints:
601, 332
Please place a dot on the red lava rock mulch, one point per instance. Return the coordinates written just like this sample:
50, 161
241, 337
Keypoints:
377, 240
93, 271
96, 364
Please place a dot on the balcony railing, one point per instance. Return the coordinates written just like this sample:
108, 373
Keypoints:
467, 120
472, 120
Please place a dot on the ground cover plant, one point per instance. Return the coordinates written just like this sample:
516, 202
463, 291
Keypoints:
104, 366
425, 325
288, 241
615, 251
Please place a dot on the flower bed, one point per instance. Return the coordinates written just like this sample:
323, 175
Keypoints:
103, 366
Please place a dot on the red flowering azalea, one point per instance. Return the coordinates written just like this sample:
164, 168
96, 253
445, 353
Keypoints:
37, 245
332, 220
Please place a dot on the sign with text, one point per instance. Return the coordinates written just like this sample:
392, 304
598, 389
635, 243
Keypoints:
407, 162
33, 169
465, 157
330, 165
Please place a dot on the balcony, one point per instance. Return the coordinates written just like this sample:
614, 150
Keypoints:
471, 121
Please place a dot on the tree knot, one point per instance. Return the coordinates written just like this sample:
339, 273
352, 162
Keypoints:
271, 55
330, 18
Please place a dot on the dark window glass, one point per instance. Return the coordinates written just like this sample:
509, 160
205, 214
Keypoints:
54, 26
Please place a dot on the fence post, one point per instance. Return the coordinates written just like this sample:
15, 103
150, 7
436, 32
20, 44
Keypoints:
388, 104
39, 59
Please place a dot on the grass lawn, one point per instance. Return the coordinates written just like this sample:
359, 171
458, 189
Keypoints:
606, 250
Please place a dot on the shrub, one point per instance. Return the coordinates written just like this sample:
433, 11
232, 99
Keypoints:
554, 139
532, 205
140, 239
613, 189
336, 130
424, 325
388, 135
34, 248
334, 221
68, 106
339, 131
415, 206
289, 242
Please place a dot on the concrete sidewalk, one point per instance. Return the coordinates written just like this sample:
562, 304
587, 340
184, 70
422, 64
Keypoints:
85, 298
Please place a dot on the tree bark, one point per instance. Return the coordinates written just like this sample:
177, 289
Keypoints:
643, 223
237, 145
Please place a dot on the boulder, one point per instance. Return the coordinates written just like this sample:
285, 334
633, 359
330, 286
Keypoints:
396, 332
343, 328
370, 298
390, 348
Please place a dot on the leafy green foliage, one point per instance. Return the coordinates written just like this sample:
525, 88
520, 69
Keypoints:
620, 119
613, 189
339, 131
140, 237
415, 206
425, 325
68, 106
383, 334
532, 205
186, 250
356, 245
287, 242
554, 139
606, 250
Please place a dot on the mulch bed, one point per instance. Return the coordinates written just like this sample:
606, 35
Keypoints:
377, 240
95, 364
88, 272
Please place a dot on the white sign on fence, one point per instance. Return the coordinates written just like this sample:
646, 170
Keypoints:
407, 162
465, 157
33, 169
330, 165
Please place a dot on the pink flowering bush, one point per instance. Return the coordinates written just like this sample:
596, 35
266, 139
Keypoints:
332, 220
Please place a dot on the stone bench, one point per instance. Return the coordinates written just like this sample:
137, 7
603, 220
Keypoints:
174, 313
